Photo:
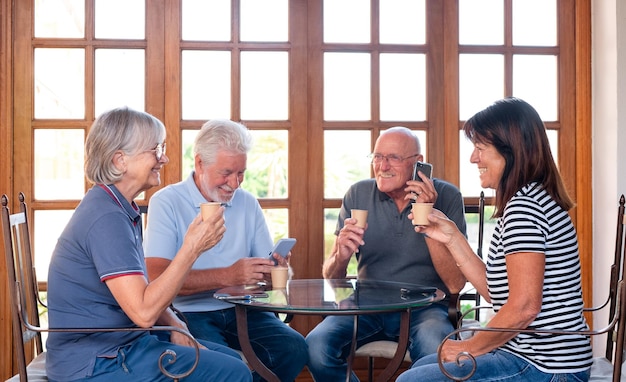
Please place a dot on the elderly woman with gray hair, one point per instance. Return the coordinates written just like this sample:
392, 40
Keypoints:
98, 276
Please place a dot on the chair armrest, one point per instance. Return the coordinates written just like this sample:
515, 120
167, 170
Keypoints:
468, 356
167, 353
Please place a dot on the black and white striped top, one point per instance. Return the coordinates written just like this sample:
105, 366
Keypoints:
533, 222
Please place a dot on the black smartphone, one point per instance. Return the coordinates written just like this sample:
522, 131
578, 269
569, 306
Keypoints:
424, 167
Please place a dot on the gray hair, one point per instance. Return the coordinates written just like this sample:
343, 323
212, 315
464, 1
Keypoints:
121, 129
221, 134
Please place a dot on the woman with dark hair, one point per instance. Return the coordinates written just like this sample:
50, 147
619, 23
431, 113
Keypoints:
98, 277
532, 273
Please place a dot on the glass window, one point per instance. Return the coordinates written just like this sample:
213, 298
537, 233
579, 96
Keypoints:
60, 18
535, 80
481, 22
205, 78
534, 22
266, 175
347, 92
278, 223
47, 227
120, 19
264, 20
59, 160
186, 151
119, 79
481, 82
264, 86
59, 83
206, 20
330, 225
344, 167
346, 21
402, 87
402, 22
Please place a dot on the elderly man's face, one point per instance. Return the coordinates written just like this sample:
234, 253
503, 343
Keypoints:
218, 181
392, 177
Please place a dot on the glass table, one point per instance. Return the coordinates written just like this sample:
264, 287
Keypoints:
330, 297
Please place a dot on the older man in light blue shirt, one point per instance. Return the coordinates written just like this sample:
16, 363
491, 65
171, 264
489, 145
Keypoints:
241, 257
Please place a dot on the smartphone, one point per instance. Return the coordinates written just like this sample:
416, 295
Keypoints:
282, 247
230, 297
424, 167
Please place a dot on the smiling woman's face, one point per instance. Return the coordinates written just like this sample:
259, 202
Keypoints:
490, 164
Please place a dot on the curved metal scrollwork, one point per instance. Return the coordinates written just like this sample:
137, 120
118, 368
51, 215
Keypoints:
467, 357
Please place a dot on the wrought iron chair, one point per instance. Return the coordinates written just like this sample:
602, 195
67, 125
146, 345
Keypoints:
387, 349
615, 329
24, 296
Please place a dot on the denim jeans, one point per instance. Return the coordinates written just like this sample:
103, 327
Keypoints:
497, 365
329, 342
280, 348
139, 362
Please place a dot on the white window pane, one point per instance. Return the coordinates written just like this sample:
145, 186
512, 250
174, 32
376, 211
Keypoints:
470, 180
344, 167
58, 164
402, 22
120, 19
278, 223
330, 224
205, 84
60, 18
264, 20
481, 22
535, 80
59, 83
347, 91
119, 79
534, 22
481, 82
264, 85
347, 21
553, 138
47, 228
403, 87
266, 174
206, 20
187, 152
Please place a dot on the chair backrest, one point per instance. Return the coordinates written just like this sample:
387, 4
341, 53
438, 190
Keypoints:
616, 301
616, 274
22, 283
454, 308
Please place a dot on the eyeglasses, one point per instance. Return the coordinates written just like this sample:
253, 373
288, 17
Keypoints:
159, 151
392, 159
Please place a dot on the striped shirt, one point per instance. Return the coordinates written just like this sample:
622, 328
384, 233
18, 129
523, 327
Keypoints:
533, 222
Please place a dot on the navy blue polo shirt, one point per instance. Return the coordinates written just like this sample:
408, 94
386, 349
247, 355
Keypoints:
102, 240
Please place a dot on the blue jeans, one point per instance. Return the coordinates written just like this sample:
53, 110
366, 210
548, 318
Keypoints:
329, 342
497, 365
139, 362
280, 348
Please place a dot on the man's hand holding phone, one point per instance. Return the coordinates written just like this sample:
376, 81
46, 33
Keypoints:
282, 247
421, 188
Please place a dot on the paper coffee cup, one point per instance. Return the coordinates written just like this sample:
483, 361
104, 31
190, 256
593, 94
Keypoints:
208, 209
280, 275
421, 212
360, 216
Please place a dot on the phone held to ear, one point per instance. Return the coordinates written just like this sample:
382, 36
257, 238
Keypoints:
425, 168
282, 247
